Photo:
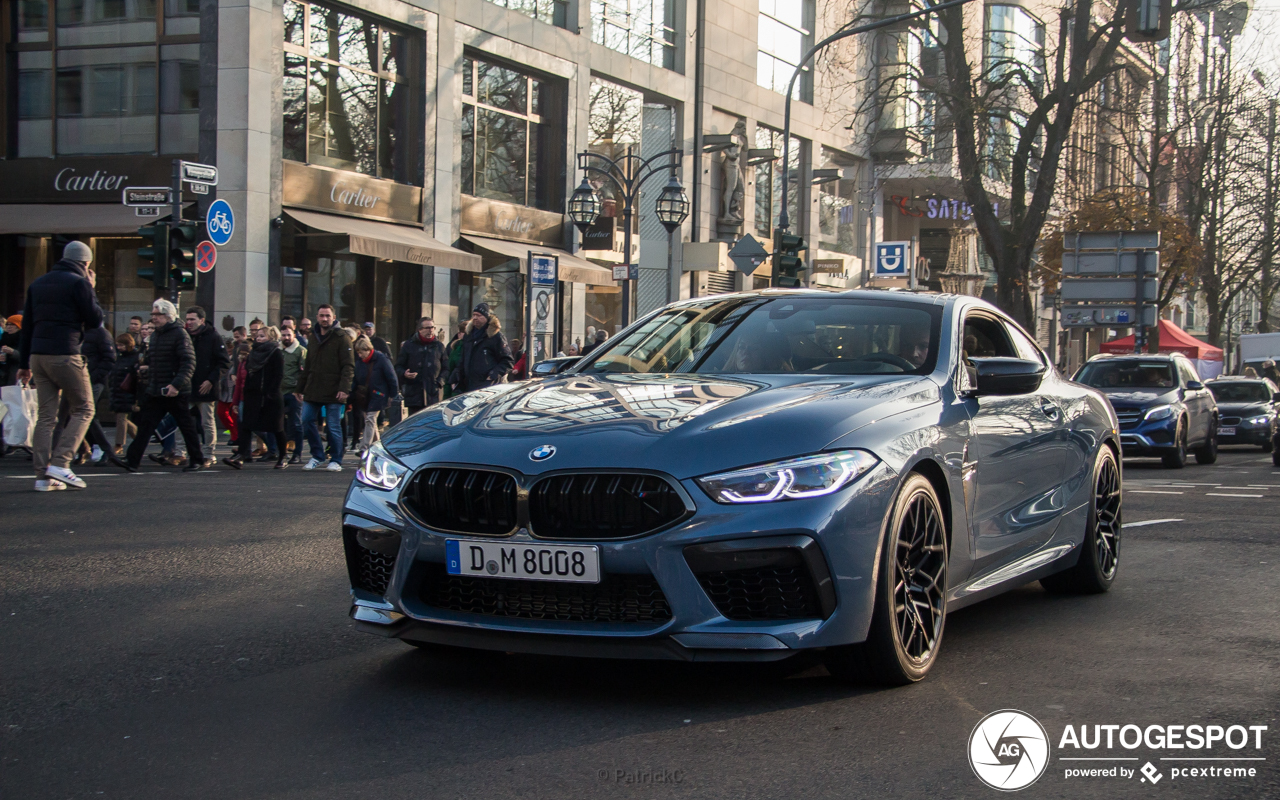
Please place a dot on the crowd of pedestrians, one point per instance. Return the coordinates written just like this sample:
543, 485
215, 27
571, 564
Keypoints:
273, 390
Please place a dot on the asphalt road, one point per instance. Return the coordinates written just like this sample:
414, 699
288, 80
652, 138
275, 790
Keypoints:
169, 635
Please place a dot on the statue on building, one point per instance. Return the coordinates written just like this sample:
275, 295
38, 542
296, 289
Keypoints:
733, 182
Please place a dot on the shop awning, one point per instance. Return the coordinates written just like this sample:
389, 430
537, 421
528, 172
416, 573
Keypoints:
86, 219
572, 268
394, 242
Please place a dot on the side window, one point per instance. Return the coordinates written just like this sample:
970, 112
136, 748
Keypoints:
1026, 348
1188, 373
986, 338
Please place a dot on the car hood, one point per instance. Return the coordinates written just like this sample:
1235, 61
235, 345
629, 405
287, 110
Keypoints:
1140, 398
1244, 409
678, 424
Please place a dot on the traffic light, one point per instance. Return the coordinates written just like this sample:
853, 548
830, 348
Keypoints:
154, 256
788, 266
182, 254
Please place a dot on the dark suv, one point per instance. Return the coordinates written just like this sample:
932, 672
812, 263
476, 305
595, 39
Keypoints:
1163, 407
1248, 409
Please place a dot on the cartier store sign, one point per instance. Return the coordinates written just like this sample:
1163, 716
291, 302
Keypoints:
340, 192
88, 179
509, 221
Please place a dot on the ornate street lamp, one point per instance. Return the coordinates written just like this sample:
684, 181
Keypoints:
584, 206
628, 174
672, 207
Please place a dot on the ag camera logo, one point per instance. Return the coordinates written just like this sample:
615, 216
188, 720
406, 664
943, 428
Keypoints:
1009, 750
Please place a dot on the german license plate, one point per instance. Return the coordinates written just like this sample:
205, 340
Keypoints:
543, 562
1227, 431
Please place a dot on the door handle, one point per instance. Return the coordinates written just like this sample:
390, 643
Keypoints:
1050, 409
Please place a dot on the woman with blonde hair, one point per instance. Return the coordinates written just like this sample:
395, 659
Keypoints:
263, 402
373, 388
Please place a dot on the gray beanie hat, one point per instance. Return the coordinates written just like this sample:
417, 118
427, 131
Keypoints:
77, 251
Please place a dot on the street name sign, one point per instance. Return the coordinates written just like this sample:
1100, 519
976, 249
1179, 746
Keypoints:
199, 173
1109, 262
145, 196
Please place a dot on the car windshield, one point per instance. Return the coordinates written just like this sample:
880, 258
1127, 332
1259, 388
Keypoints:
771, 335
1240, 392
1134, 374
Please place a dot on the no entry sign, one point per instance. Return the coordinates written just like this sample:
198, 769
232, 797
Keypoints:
206, 256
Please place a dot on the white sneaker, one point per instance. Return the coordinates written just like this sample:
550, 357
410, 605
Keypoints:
334, 466
65, 475
96, 454
48, 485
312, 464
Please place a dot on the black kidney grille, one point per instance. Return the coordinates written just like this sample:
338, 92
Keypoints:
617, 598
602, 506
465, 500
767, 593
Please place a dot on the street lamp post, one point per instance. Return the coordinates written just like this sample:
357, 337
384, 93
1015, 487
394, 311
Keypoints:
628, 174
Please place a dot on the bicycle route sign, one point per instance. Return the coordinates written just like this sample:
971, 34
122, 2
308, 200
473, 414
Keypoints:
220, 222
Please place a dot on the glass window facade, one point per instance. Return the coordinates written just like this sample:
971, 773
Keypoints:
769, 183
643, 29
552, 12
1014, 42
513, 137
352, 93
785, 33
840, 219
105, 77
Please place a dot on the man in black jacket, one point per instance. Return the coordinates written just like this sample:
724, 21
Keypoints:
60, 306
486, 358
212, 363
169, 364
421, 367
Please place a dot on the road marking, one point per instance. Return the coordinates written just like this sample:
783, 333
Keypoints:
1222, 494
1149, 522
1150, 491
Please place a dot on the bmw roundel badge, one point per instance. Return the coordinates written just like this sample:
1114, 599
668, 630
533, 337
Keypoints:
542, 452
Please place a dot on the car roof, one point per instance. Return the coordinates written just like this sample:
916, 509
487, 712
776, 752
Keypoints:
921, 298
1136, 356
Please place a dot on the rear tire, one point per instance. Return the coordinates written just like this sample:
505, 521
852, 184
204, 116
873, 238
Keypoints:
1099, 559
1178, 458
1208, 452
911, 596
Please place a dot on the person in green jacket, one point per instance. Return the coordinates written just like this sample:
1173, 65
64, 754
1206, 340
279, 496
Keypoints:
295, 356
455, 357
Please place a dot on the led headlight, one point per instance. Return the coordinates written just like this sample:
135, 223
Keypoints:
1159, 412
794, 479
1256, 420
379, 470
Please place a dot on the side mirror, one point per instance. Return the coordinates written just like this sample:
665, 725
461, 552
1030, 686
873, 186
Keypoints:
1275, 398
1006, 376
1194, 386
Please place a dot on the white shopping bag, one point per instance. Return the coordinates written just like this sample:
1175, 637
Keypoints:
21, 411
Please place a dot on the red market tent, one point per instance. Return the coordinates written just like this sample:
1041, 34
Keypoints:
1207, 358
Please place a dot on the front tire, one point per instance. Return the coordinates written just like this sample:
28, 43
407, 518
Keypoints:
1178, 458
911, 596
1099, 559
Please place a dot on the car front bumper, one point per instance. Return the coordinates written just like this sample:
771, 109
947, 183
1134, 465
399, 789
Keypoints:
842, 532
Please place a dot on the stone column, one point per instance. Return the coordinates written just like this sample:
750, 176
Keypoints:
248, 152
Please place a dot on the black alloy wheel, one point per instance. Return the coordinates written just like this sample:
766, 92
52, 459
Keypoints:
1099, 558
1178, 458
911, 595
